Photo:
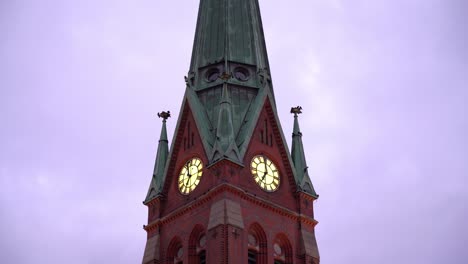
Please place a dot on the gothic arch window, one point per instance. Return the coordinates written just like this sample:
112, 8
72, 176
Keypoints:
282, 250
257, 245
197, 246
175, 251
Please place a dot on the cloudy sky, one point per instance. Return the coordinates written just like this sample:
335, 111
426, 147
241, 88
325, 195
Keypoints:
383, 85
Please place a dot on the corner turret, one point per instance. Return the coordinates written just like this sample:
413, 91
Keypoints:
161, 160
298, 156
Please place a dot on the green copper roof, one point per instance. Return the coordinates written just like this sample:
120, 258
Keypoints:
298, 157
227, 85
229, 30
160, 164
228, 76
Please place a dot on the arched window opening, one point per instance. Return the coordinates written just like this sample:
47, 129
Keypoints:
257, 245
282, 250
175, 251
253, 248
197, 246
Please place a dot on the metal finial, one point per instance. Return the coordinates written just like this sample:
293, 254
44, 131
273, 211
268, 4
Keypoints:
164, 115
190, 79
225, 76
296, 110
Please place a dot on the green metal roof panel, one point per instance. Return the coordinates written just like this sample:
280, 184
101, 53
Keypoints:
240, 32
160, 164
229, 30
214, 27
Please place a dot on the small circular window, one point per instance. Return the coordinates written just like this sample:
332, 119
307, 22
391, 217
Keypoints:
180, 253
277, 249
212, 75
252, 240
241, 74
202, 241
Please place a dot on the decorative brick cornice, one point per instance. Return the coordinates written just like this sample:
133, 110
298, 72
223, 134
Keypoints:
153, 201
307, 196
225, 187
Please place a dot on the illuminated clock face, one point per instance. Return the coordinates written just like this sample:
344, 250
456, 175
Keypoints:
190, 175
265, 173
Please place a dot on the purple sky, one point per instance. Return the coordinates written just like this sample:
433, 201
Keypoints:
383, 85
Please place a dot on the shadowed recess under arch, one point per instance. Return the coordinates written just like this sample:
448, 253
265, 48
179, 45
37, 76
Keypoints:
195, 248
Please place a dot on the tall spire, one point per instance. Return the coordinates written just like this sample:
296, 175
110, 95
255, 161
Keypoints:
229, 78
161, 159
298, 156
228, 31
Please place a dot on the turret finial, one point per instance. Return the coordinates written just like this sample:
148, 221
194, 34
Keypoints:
296, 110
164, 115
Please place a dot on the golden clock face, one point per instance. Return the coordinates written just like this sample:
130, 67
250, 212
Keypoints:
190, 175
265, 173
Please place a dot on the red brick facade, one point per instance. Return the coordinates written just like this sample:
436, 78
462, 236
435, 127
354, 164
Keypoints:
228, 215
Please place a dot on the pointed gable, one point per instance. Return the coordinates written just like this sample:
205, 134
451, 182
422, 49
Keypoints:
188, 142
266, 138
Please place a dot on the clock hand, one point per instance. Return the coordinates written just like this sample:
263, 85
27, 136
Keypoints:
265, 172
188, 173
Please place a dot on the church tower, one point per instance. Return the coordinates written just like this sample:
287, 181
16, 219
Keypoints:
228, 190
